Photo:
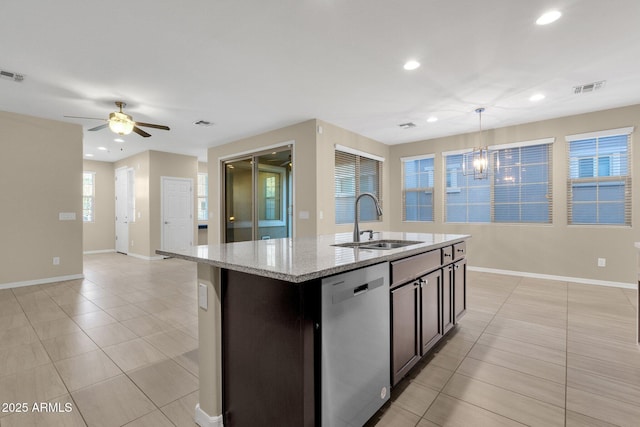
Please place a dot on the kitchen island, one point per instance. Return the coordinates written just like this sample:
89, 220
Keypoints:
265, 324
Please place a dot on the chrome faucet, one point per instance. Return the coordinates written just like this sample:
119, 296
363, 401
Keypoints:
356, 229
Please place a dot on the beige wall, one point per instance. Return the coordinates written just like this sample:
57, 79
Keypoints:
174, 166
99, 235
555, 249
40, 177
303, 138
140, 228
325, 154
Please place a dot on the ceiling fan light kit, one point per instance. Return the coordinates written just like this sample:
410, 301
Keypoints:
122, 124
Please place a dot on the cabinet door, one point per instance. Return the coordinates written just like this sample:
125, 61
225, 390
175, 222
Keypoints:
447, 299
460, 289
405, 347
430, 291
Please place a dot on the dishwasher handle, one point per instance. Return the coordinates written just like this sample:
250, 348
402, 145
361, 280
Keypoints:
342, 291
360, 290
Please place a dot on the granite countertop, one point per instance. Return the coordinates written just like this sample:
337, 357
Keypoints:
301, 259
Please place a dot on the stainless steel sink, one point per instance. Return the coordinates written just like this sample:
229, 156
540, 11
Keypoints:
379, 244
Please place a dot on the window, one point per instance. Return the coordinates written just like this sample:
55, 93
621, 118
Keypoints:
521, 184
518, 189
88, 196
417, 189
467, 199
356, 173
203, 197
599, 185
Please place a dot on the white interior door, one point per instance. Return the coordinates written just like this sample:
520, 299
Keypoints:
177, 213
122, 211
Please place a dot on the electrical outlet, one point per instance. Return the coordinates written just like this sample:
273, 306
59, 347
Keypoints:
56, 260
602, 262
202, 296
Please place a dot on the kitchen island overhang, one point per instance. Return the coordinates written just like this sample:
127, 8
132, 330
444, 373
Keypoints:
282, 277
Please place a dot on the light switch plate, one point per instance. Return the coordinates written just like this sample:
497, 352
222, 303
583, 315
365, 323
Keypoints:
67, 216
202, 296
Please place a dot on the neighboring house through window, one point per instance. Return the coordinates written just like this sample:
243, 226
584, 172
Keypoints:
599, 184
417, 188
203, 197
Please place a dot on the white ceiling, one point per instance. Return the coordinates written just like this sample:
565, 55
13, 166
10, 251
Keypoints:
255, 65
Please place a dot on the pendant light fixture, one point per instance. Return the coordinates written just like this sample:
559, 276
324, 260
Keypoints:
478, 159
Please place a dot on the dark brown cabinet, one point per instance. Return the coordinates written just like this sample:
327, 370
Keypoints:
425, 308
459, 289
404, 334
430, 292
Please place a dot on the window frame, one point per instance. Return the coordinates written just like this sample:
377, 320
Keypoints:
494, 152
417, 190
594, 178
204, 195
347, 154
91, 196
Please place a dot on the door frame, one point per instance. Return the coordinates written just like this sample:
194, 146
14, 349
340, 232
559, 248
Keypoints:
127, 172
163, 179
290, 145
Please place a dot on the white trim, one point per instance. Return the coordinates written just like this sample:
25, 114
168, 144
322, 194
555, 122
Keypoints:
163, 180
41, 281
554, 277
350, 150
205, 420
257, 150
599, 134
456, 152
421, 157
146, 258
529, 143
101, 251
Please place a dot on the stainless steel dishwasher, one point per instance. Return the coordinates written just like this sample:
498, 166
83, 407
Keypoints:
355, 364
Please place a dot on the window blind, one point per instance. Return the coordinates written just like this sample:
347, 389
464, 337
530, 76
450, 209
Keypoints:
417, 188
356, 174
599, 183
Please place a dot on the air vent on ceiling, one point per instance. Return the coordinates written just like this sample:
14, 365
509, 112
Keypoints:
407, 125
11, 75
203, 123
590, 87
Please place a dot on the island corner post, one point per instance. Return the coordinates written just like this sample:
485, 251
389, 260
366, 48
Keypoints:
208, 411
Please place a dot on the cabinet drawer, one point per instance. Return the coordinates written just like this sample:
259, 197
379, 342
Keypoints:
409, 268
459, 250
447, 255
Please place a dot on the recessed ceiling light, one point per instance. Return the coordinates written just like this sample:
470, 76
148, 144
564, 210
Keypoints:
88, 155
432, 119
549, 17
102, 148
536, 97
411, 65
119, 140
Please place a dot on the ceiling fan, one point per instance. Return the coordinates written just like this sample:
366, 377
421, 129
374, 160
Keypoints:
122, 123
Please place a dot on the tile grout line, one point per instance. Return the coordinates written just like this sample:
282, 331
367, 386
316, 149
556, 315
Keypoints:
458, 365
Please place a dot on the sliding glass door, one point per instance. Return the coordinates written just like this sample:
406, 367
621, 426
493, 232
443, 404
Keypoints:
258, 196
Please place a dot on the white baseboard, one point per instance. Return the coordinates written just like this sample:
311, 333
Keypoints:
553, 277
205, 420
41, 281
102, 251
146, 258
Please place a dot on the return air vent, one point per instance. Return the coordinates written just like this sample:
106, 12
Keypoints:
590, 87
11, 75
408, 125
203, 123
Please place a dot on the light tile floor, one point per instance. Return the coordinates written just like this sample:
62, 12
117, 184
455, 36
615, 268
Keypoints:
120, 348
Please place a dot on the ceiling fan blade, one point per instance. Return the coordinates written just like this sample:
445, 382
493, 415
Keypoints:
151, 125
99, 127
140, 132
80, 117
